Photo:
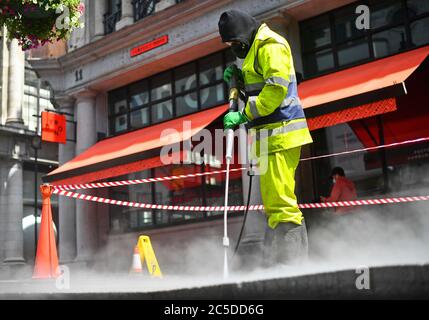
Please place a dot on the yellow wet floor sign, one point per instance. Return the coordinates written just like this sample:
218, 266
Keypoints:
147, 254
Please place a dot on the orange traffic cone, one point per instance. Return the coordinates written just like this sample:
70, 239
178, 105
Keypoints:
137, 262
46, 264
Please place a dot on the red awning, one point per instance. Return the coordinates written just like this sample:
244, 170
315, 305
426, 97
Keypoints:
133, 151
409, 122
355, 113
368, 88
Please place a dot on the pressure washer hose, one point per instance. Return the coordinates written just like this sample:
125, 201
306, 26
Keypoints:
249, 192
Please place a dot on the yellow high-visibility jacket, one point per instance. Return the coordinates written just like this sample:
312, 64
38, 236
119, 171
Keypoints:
273, 103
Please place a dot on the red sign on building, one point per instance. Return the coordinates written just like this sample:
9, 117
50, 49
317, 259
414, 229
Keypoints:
149, 46
53, 127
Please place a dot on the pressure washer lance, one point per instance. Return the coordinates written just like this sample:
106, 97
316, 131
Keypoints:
233, 106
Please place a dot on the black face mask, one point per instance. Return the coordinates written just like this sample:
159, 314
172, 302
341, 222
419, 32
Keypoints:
240, 50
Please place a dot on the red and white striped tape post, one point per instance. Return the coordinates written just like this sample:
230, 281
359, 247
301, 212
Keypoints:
364, 202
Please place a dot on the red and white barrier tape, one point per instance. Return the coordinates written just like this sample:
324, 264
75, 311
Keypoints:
390, 145
139, 181
365, 202
192, 175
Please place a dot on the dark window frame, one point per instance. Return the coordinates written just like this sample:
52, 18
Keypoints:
112, 16
158, 223
335, 45
172, 72
145, 8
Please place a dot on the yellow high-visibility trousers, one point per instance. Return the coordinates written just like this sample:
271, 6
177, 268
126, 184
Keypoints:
278, 187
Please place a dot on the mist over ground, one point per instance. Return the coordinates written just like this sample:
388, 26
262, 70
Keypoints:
371, 236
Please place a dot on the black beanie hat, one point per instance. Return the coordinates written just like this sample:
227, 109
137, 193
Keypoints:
235, 25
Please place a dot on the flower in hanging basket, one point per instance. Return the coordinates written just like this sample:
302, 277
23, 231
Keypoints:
36, 22
81, 8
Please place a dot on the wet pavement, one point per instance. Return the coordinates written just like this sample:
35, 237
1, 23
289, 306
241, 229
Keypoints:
388, 282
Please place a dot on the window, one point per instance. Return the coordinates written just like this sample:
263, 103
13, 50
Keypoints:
385, 13
187, 103
316, 33
139, 94
36, 99
161, 86
318, 62
119, 107
185, 78
212, 96
332, 41
185, 86
418, 7
162, 111
145, 8
353, 51
211, 71
389, 41
126, 218
187, 192
420, 31
139, 118
113, 15
194, 191
345, 28
184, 90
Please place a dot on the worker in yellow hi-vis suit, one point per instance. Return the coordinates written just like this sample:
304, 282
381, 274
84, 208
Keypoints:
274, 114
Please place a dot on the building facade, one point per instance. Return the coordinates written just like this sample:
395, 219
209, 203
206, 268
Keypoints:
23, 97
140, 67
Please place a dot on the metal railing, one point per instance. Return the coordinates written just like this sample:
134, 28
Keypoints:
145, 8
111, 18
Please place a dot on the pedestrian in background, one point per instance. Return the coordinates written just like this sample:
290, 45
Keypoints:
342, 190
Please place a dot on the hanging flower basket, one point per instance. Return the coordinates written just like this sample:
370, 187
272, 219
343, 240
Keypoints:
36, 22
30, 10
